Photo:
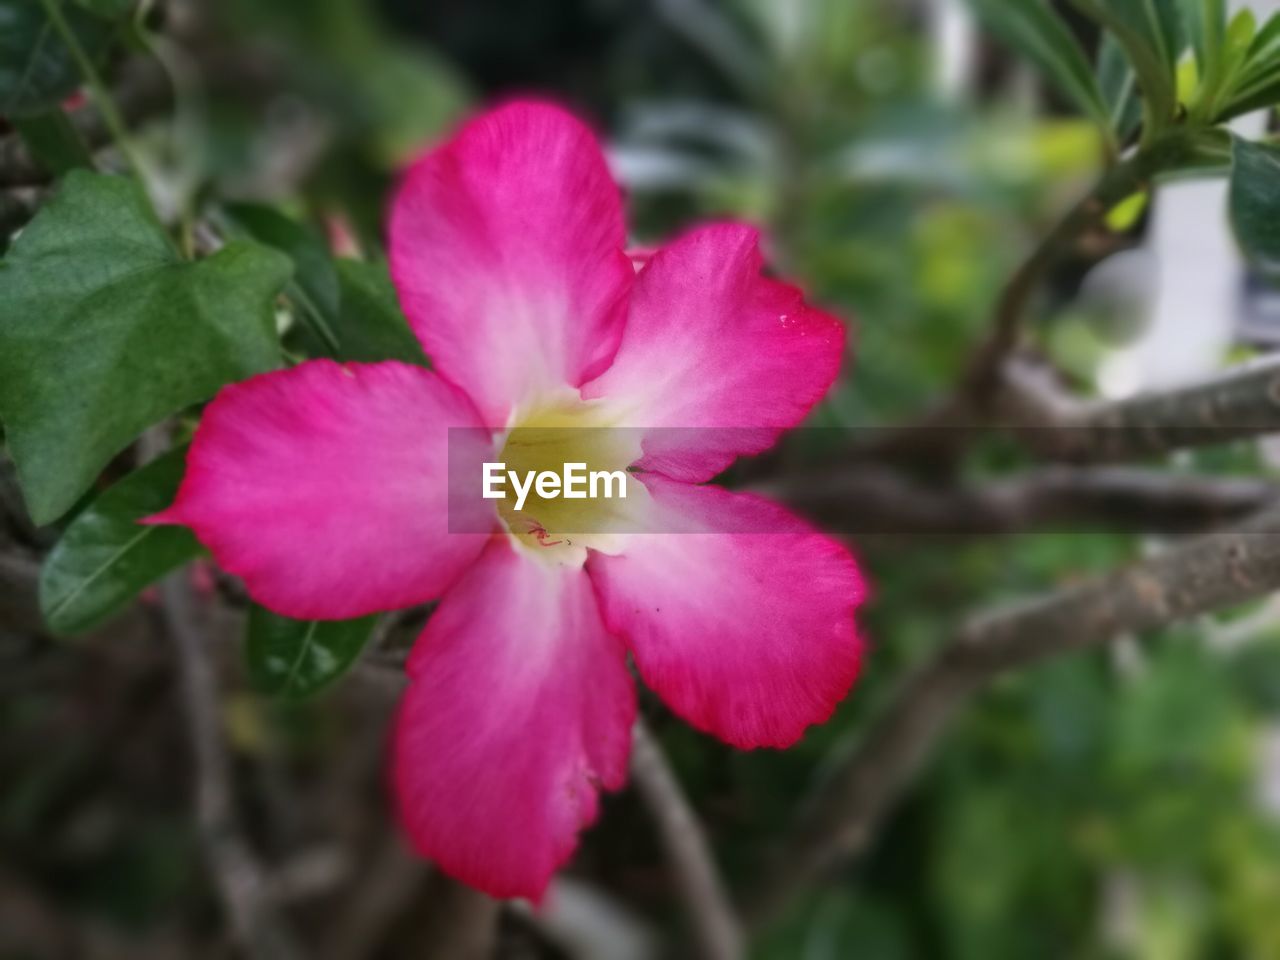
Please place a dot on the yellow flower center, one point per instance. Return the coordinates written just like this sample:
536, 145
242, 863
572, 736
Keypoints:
568, 437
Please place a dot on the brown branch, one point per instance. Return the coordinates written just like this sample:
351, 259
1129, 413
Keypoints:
872, 500
462, 923
395, 878
688, 853
1205, 574
1243, 402
19, 582
240, 880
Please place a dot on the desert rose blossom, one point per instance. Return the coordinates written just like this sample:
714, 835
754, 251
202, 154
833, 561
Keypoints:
325, 487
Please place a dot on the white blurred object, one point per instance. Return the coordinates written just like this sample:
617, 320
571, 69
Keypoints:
1269, 771
1118, 293
1198, 293
586, 923
955, 46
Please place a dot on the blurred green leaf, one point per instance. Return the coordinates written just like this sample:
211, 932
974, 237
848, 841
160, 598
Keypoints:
53, 141
1255, 202
353, 299
1205, 23
1256, 83
104, 331
315, 281
370, 325
399, 95
1035, 30
1151, 34
296, 659
36, 68
1119, 86
105, 557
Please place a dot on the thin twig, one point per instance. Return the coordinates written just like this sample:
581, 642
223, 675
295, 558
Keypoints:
102, 96
841, 817
395, 877
239, 877
688, 853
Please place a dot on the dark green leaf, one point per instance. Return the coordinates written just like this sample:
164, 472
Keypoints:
105, 556
1119, 86
1151, 34
1256, 84
104, 331
53, 141
1255, 202
1205, 25
315, 282
370, 324
1032, 28
298, 658
36, 68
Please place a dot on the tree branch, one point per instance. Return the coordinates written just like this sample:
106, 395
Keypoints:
1205, 574
1241, 403
871, 500
942, 432
688, 853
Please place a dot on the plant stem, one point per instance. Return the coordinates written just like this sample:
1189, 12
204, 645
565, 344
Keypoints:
101, 95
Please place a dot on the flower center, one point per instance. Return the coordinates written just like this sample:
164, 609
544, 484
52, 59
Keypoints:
578, 443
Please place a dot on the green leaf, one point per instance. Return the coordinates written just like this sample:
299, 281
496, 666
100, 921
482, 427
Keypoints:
1255, 202
295, 659
354, 299
54, 141
1205, 25
36, 68
315, 281
1119, 85
104, 331
105, 557
370, 325
1151, 34
1256, 84
1032, 28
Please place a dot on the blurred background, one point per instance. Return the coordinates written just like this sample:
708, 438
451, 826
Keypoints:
1119, 802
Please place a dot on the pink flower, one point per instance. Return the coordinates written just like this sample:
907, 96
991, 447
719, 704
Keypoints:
325, 487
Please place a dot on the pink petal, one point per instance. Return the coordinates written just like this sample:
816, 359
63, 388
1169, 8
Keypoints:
747, 632
325, 487
712, 344
507, 253
520, 707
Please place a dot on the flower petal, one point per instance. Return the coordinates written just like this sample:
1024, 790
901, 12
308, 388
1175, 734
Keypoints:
507, 252
326, 487
746, 632
520, 706
713, 345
